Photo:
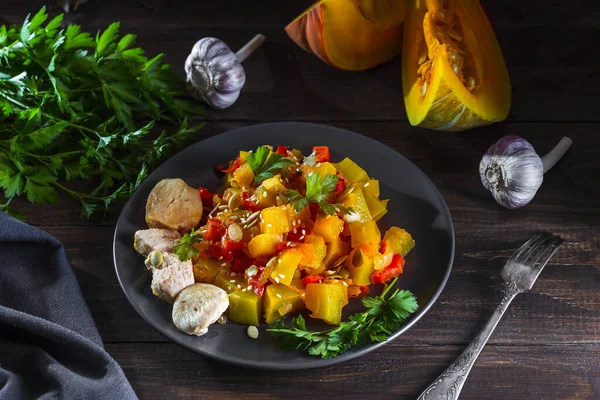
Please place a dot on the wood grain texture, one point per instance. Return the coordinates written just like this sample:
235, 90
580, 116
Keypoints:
395, 372
548, 344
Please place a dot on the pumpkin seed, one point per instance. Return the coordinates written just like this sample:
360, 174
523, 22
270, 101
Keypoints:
339, 261
344, 273
422, 59
285, 309
471, 83
424, 89
235, 232
358, 258
454, 35
252, 332
222, 207
234, 201
213, 210
329, 272
251, 224
156, 258
222, 320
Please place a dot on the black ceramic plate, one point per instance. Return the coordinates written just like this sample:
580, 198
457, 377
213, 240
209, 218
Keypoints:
415, 204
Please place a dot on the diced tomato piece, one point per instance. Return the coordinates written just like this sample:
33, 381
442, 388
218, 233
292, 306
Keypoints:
234, 166
395, 268
257, 282
218, 253
206, 196
282, 150
321, 154
241, 263
357, 292
341, 185
229, 244
314, 210
214, 229
281, 246
249, 204
299, 235
312, 279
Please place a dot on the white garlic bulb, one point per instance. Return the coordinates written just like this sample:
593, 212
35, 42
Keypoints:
215, 73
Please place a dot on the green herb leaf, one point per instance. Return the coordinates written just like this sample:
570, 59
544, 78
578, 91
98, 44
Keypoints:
185, 249
265, 164
77, 107
383, 316
317, 191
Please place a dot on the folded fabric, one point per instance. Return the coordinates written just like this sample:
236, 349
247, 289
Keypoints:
49, 345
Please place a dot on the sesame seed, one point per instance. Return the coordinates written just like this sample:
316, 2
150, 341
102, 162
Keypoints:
276, 279
269, 225
295, 230
220, 258
282, 276
293, 245
366, 184
232, 281
239, 286
244, 289
318, 165
224, 265
278, 295
264, 194
299, 221
304, 231
249, 287
289, 243
279, 261
344, 282
232, 274
301, 237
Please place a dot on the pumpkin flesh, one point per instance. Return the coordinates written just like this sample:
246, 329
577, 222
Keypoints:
352, 35
454, 76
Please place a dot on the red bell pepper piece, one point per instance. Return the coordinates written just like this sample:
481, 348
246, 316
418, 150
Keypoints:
234, 166
314, 210
241, 263
341, 185
218, 253
321, 154
282, 150
281, 246
249, 204
229, 245
312, 279
383, 247
395, 268
206, 196
214, 229
363, 291
299, 236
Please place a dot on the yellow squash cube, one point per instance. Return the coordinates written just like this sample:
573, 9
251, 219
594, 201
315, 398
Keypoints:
399, 240
336, 249
313, 251
245, 307
263, 245
275, 220
274, 184
365, 233
229, 283
328, 227
371, 186
356, 201
362, 271
242, 177
377, 208
279, 300
324, 168
206, 270
286, 266
326, 301
351, 171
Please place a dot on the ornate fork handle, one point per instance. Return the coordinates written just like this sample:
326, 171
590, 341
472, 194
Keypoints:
449, 384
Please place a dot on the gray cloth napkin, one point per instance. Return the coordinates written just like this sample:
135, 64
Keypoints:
49, 345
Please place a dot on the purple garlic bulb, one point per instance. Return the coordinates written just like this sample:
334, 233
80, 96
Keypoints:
214, 73
513, 172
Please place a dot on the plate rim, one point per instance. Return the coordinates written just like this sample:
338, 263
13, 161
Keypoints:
309, 363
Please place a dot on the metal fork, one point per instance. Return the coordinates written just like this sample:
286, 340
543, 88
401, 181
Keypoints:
519, 274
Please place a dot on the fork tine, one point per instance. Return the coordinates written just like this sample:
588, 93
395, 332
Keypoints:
529, 245
537, 250
542, 259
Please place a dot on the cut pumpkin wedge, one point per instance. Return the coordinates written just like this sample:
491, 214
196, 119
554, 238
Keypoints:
351, 34
453, 73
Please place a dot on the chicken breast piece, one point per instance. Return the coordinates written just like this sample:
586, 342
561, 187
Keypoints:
171, 277
198, 306
147, 240
172, 204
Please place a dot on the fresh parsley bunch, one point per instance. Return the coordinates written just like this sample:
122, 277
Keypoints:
76, 107
383, 316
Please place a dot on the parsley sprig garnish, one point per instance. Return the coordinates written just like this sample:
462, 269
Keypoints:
383, 316
186, 249
77, 107
318, 189
265, 164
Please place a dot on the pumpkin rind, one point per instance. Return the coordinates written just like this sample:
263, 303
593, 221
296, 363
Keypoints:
448, 87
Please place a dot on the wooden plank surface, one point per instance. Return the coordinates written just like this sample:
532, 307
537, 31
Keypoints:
546, 347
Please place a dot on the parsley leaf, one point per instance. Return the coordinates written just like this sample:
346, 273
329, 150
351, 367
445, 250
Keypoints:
317, 191
185, 249
77, 107
383, 316
265, 164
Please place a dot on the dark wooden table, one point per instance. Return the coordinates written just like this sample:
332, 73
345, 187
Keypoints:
548, 344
